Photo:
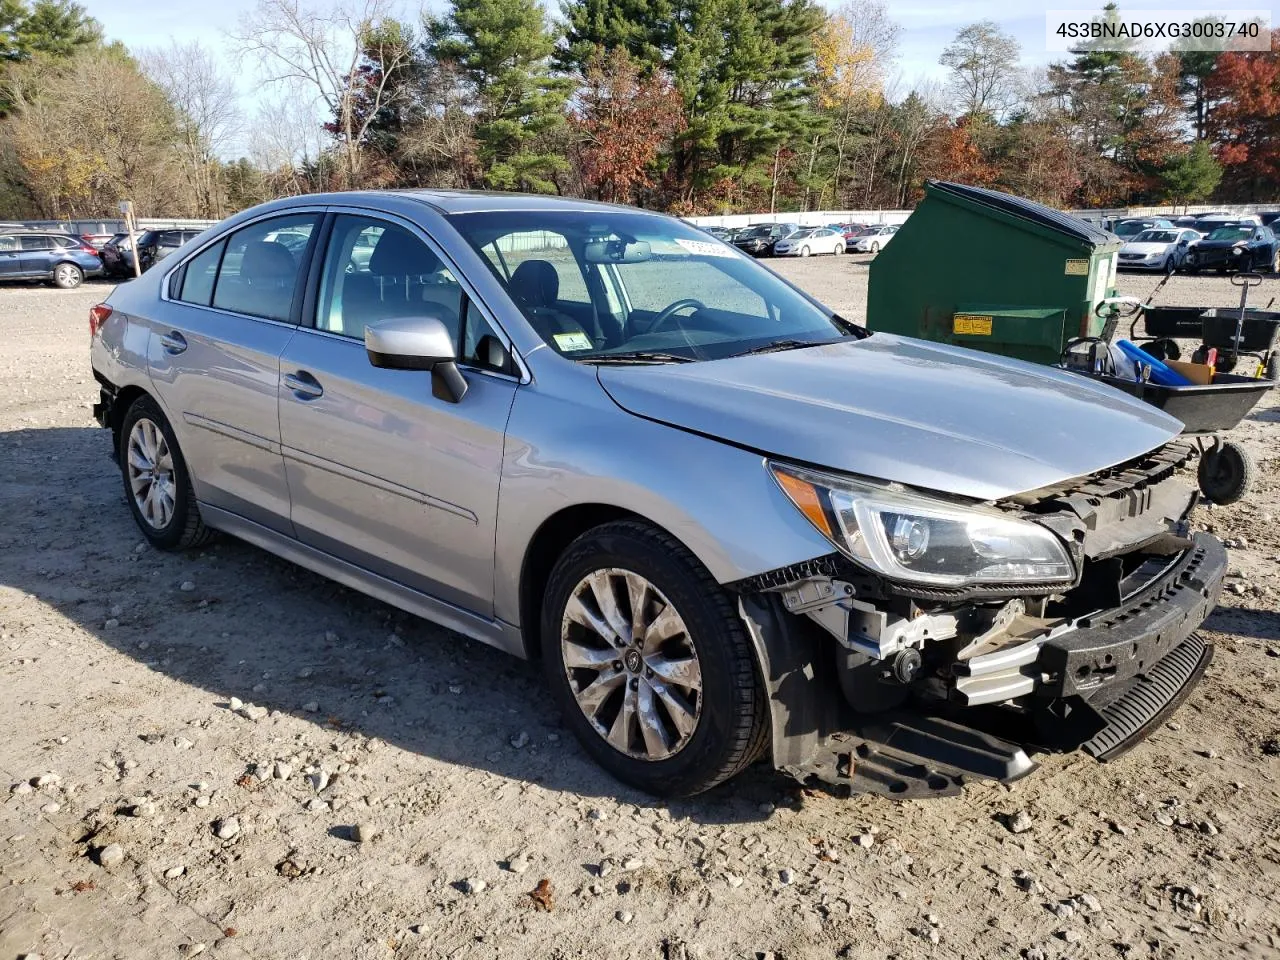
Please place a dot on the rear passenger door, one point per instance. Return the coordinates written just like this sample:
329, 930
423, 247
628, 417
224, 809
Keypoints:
382, 473
214, 355
37, 256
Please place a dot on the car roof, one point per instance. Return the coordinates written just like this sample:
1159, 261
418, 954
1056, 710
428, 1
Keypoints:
476, 201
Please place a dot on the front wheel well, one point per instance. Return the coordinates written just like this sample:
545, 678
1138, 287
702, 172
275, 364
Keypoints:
551, 540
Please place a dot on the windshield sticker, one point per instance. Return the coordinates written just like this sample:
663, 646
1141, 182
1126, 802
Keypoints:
573, 341
706, 248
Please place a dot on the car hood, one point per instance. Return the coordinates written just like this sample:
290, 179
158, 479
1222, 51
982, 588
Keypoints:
1145, 248
1221, 244
892, 408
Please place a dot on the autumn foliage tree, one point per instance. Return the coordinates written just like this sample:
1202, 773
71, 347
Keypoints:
1245, 121
622, 120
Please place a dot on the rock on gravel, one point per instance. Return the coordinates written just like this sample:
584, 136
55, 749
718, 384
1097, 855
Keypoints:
111, 856
227, 828
473, 885
1018, 822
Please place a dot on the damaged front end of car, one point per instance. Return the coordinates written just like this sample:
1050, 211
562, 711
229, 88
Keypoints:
943, 639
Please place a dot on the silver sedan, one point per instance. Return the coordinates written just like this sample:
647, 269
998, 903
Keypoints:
729, 522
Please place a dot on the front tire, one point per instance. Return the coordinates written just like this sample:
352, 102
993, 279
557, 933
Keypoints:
67, 276
875, 248
156, 482
804, 251
649, 662
839, 249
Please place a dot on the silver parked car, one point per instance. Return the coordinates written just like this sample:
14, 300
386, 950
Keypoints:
729, 522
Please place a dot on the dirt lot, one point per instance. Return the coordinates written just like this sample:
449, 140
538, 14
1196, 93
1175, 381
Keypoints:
387, 789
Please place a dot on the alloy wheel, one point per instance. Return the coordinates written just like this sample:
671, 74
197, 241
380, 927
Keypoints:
67, 276
150, 473
631, 664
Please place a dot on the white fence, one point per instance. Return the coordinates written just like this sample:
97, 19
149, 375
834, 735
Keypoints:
98, 227
823, 217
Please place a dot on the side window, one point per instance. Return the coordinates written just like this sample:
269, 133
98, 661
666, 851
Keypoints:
37, 243
8, 243
258, 275
375, 270
199, 275
481, 346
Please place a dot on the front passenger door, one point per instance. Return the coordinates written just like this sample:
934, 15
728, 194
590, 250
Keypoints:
381, 473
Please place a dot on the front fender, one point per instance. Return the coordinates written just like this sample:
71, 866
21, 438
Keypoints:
571, 445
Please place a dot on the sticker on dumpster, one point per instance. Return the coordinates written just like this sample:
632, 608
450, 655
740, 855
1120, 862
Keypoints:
971, 324
1077, 268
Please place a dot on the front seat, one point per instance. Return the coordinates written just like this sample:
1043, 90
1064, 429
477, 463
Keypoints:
535, 287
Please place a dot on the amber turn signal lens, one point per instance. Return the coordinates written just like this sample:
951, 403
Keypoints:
805, 496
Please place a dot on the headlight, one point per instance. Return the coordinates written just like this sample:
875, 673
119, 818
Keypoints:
908, 536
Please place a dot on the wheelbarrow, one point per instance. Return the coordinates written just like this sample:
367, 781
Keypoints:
1226, 469
1231, 332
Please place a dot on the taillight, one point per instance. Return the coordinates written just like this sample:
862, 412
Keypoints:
88, 248
97, 317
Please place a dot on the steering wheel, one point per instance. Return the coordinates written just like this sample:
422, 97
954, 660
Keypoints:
670, 311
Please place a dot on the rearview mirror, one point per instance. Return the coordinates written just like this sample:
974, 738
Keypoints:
417, 343
617, 251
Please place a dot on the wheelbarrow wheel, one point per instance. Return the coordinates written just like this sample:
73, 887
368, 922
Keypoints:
1165, 349
1226, 362
1226, 473
1271, 370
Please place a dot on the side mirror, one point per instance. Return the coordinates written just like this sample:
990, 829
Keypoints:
417, 343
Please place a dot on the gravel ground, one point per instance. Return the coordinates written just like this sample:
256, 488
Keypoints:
219, 752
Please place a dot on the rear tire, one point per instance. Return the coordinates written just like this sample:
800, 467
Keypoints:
156, 482
729, 722
67, 276
839, 249
874, 249
804, 251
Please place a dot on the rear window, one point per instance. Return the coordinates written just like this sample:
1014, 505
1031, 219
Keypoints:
200, 274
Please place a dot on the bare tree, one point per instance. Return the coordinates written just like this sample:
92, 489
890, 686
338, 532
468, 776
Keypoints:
984, 64
286, 139
350, 57
208, 114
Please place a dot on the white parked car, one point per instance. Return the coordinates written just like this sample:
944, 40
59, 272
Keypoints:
872, 239
1161, 249
809, 240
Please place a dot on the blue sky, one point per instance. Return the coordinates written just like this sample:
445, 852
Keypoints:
927, 26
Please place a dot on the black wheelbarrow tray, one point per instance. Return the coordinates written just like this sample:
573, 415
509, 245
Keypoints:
1226, 469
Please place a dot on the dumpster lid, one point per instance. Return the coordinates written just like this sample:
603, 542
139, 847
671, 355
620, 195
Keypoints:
1045, 216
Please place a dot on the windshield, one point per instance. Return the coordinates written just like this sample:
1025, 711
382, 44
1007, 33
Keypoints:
599, 284
761, 230
1156, 236
801, 233
1231, 233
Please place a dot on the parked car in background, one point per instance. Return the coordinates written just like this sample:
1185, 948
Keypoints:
1207, 224
153, 246
1270, 219
58, 257
720, 233
1160, 249
810, 240
851, 230
872, 239
1236, 247
758, 239
1127, 229
872, 544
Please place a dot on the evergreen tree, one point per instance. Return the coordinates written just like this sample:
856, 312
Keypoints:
643, 28
503, 49
1192, 176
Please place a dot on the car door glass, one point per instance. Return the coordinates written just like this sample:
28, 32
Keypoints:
375, 270
37, 243
199, 276
8, 243
258, 276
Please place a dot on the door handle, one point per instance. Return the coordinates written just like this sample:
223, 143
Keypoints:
173, 341
303, 385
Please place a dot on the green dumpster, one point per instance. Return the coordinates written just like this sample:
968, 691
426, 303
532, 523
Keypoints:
993, 272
